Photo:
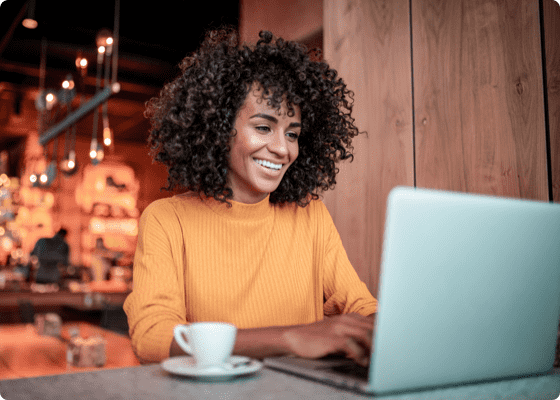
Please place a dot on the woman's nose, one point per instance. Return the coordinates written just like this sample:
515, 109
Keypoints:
278, 144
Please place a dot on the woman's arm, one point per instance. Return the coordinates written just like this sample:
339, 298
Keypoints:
349, 334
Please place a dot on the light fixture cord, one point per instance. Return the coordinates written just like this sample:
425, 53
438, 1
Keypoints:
97, 85
106, 83
116, 40
42, 69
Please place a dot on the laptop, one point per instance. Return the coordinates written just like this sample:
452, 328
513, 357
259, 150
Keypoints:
470, 292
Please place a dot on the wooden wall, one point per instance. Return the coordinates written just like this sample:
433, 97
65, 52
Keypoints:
451, 95
368, 43
551, 26
288, 19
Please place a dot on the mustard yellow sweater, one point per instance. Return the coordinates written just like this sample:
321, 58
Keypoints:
252, 265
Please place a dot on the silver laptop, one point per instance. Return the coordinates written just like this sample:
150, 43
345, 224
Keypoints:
470, 291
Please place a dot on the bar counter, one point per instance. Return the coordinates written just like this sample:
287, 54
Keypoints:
60, 298
152, 382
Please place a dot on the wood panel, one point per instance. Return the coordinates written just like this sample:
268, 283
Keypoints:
478, 97
291, 20
551, 19
368, 43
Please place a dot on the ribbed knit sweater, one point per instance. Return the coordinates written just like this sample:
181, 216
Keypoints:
253, 265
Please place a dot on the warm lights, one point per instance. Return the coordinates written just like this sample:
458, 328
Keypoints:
50, 99
107, 136
33, 178
6, 243
101, 49
68, 84
96, 152
104, 37
69, 165
81, 63
4, 180
30, 23
128, 226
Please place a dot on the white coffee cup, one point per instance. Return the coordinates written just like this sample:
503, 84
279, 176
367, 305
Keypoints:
210, 343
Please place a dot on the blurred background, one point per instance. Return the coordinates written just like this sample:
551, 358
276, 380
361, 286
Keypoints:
458, 95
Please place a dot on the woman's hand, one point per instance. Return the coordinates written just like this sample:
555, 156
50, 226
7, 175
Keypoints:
350, 334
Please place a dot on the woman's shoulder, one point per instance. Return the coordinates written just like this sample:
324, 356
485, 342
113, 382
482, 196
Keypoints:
173, 204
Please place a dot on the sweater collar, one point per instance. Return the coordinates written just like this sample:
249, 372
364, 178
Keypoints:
242, 211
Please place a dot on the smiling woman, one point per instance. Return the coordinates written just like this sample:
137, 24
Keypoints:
252, 133
264, 146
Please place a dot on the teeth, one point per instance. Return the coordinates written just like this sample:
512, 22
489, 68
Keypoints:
268, 164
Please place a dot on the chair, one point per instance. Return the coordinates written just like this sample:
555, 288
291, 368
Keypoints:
114, 319
26, 311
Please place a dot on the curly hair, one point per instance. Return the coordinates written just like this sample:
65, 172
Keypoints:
192, 120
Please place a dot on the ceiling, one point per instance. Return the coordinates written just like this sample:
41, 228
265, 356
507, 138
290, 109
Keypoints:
152, 41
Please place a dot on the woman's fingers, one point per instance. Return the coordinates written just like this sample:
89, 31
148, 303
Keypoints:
347, 333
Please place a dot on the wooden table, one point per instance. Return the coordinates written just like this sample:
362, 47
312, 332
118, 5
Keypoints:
10, 299
149, 382
24, 353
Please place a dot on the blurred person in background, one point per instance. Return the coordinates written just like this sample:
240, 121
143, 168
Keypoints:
50, 253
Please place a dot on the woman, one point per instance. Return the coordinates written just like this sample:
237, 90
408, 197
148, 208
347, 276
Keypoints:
252, 134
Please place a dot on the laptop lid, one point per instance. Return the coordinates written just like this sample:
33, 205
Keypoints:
470, 289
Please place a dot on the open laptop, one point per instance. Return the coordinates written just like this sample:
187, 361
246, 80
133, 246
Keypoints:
470, 291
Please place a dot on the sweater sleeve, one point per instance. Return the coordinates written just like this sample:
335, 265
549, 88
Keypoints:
157, 302
343, 290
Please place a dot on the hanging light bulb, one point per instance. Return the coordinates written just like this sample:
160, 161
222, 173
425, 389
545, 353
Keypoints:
69, 166
100, 155
50, 99
107, 136
104, 37
96, 152
30, 22
109, 45
93, 149
68, 84
68, 92
107, 132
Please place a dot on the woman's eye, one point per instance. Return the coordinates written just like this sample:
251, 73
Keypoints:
293, 135
263, 128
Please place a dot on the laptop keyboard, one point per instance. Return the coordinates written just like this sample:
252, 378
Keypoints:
342, 365
351, 369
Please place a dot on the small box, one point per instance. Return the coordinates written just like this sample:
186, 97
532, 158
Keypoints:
48, 324
88, 352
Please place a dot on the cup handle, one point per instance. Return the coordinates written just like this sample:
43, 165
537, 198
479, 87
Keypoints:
177, 333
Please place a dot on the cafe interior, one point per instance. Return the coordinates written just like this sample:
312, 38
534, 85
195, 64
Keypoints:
74, 80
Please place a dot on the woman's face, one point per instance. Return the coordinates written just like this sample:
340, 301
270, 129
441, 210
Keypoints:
265, 146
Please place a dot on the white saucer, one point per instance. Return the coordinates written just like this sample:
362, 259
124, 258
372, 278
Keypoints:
186, 366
